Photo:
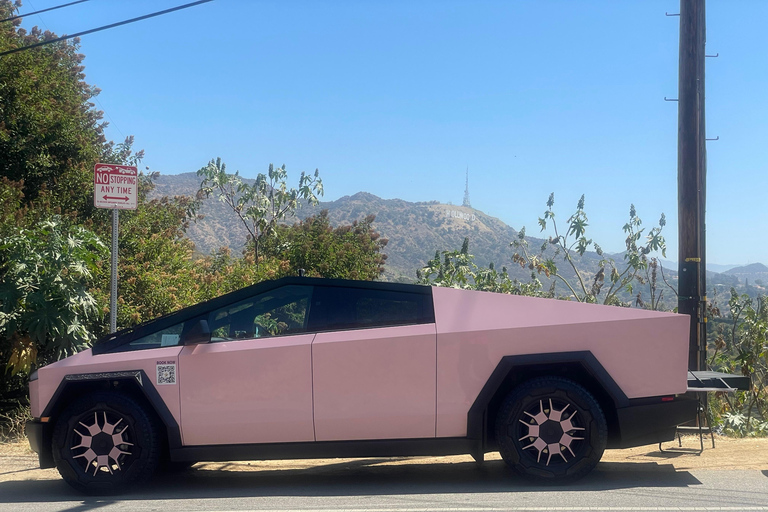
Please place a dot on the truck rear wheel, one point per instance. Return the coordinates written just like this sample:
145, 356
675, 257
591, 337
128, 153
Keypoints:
105, 442
552, 429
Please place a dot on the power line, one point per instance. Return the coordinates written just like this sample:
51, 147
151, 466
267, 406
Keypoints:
43, 10
41, 18
105, 27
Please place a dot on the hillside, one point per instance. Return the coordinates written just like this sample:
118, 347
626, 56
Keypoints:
414, 230
755, 272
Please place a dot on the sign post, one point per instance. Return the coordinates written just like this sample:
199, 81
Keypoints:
115, 187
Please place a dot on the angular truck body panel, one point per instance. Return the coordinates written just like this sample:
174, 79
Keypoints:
82, 363
477, 329
375, 383
247, 391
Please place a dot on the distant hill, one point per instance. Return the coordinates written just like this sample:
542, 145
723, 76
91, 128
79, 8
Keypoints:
414, 230
750, 273
714, 267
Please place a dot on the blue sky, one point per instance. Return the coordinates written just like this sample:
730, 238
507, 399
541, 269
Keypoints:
397, 98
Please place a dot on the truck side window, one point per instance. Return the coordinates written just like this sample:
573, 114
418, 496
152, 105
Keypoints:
277, 312
358, 308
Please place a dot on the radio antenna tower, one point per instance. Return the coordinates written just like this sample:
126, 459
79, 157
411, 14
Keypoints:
466, 192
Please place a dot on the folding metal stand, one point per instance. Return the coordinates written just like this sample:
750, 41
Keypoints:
702, 428
703, 422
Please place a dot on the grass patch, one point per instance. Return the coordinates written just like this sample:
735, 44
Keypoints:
12, 423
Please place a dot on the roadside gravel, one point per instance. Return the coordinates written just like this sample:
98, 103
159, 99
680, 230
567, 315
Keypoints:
18, 462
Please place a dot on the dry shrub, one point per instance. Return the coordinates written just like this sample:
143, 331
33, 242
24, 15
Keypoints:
12, 423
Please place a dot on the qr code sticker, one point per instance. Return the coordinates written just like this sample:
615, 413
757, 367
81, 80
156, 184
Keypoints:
166, 374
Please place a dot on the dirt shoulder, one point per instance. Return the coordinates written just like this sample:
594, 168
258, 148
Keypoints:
18, 462
728, 454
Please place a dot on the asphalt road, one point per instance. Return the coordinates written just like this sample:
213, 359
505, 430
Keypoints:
365, 486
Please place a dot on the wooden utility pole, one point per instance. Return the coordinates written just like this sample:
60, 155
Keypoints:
691, 178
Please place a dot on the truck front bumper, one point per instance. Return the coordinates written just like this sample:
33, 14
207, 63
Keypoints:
40, 436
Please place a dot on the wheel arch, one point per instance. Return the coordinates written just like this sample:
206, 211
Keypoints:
581, 366
133, 383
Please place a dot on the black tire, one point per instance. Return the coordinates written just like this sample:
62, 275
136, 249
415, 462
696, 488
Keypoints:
169, 466
551, 429
105, 442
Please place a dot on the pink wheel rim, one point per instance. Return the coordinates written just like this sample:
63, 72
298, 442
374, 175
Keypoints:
551, 430
104, 443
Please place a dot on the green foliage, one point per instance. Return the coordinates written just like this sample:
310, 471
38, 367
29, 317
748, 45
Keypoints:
565, 248
741, 346
11, 212
261, 206
45, 303
154, 264
741, 425
50, 134
457, 269
122, 154
222, 272
346, 252
50, 138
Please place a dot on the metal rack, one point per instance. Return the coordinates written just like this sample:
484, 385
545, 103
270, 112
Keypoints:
702, 383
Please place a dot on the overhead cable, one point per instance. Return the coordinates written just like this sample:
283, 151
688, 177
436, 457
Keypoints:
41, 11
105, 27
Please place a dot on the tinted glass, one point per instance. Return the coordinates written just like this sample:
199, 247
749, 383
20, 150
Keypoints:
275, 313
352, 308
168, 337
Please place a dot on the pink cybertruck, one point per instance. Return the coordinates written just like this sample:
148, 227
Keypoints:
314, 368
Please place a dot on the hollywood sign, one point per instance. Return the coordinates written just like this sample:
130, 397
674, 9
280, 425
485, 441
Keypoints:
456, 214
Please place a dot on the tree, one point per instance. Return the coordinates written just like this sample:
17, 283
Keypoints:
54, 270
11, 212
222, 272
611, 277
262, 205
50, 134
45, 302
457, 269
346, 252
154, 267
741, 346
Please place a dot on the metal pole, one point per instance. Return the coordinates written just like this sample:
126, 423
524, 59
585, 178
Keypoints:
113, 283
691, 178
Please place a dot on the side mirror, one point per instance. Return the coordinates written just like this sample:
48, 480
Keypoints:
199, 333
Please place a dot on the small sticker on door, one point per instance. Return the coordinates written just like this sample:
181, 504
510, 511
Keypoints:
166, 372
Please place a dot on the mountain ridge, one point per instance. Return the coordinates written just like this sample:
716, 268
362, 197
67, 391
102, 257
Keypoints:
754, 272
415, 230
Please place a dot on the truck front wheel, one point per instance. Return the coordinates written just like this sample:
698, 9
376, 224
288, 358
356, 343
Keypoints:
106, 442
